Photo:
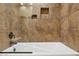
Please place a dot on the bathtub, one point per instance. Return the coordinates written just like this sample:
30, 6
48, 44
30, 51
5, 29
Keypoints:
39, 48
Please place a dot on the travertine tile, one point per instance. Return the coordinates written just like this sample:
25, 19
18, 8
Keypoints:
61, 25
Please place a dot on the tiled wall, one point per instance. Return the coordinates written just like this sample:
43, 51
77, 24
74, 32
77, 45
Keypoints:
41, 29
8, 20
30, 30
70, 25
61, 25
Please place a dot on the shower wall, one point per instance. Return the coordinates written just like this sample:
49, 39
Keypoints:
60, 24
8, 22
70, 25
41, 29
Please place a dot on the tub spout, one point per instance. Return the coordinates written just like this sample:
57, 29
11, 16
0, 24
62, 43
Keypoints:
14, 49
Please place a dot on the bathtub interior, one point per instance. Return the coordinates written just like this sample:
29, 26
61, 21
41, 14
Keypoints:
53, 48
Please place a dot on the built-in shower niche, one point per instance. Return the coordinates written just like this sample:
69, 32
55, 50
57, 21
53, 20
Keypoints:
44, 10
34, 16
44, 13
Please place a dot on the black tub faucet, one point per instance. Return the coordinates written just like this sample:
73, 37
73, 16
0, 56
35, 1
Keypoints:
11, 35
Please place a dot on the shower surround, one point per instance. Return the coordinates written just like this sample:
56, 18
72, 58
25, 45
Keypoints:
60, 25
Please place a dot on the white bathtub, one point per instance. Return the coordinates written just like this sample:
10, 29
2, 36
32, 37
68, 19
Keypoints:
40, 48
